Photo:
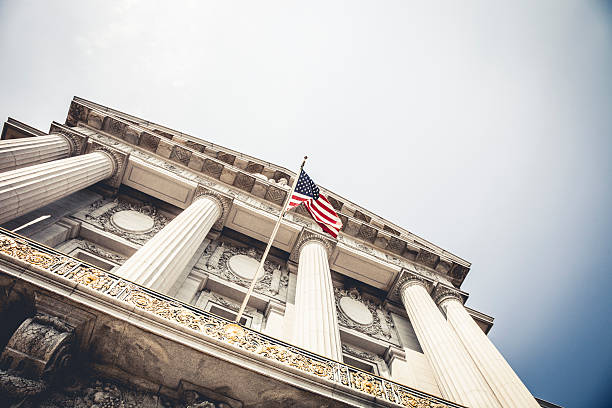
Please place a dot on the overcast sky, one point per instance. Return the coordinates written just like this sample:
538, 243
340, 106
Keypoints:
484, 127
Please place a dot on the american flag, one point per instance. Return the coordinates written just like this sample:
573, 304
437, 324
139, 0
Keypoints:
307, 192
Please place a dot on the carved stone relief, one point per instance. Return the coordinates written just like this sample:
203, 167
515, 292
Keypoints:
363, 314
238, 265
109, 214
36, 356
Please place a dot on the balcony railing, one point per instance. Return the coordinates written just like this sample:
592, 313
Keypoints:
28, 251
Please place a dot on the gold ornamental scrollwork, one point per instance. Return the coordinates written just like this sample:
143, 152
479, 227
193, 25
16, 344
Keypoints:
366, 383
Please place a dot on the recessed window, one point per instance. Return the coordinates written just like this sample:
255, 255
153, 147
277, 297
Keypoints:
361, 364
227, 313
94, 260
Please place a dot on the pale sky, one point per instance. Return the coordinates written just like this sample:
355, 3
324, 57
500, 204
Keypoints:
482, 126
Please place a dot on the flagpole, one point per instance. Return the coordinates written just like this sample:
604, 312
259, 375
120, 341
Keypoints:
265, 254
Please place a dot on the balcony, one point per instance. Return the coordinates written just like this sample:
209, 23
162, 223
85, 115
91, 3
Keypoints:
132, 334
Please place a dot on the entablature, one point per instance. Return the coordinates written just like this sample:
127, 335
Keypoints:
261, 179
250, 215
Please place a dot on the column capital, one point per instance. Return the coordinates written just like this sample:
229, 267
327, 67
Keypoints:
118, 158
76, 140
404, 279
224, 202
443, 293
308, 235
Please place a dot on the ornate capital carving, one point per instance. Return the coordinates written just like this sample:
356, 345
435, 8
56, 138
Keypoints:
410, 280
442, 293
225, 203
405, 279
76, 140
308, 235
118, 158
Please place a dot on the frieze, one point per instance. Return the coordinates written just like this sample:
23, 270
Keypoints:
101, 212
39, 258
218, 258
380, 324
76, 113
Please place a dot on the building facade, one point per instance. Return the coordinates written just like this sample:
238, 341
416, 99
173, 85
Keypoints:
127, 247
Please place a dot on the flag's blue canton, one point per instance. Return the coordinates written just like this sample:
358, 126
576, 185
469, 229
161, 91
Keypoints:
306, 186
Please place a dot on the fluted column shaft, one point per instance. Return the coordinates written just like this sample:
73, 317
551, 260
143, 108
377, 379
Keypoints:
456, 374
506, 385
316, 325
28, 151
160, 262
29, 188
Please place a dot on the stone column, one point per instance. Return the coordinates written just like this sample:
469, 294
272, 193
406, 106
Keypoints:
506, 385
456, 374
161, 261
316, 325
29, 188
18, 153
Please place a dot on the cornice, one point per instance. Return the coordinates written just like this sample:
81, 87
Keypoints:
225, 203
308, 235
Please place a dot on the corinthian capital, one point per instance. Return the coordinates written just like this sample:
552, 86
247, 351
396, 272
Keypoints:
76, 140
442, 293
308, 235
405, 279
118, 158
223, 201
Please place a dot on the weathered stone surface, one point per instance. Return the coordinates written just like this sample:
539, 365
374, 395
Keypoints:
196, 162
276, 195
113, 126
253, 167
95, 119
164, 148
213, 169
227, 176
131, 135
361, 216
149, 141
180, 155
226, 157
